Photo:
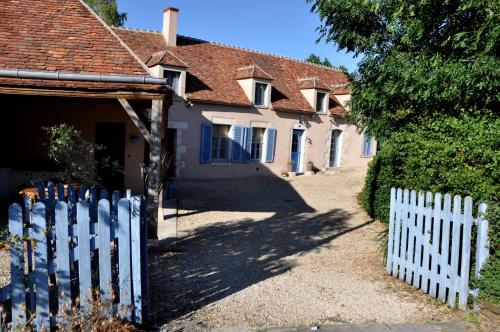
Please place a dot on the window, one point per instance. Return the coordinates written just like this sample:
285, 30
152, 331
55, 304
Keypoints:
335, 148
367, 145
173, 78
219, 142
320, 102
260, 94
257, 143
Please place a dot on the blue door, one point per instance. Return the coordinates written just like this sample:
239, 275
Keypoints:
296, 149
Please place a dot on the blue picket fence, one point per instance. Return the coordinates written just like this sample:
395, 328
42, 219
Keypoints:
70, 247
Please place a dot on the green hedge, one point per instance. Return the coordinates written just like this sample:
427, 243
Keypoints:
460, 156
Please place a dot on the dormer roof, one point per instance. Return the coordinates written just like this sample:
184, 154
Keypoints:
313, 82
252, 71
165, 57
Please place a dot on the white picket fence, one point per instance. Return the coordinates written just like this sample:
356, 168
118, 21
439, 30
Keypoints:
429, 243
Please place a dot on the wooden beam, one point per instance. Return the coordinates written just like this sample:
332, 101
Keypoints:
154, 175
80, 93
135, 119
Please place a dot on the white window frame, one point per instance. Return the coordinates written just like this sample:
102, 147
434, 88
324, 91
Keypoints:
263, 149
267, 93
324, 105
228, 145
176, 89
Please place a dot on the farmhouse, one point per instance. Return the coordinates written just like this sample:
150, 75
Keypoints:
238, 112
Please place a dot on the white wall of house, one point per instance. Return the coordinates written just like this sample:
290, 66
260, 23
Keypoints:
317, 136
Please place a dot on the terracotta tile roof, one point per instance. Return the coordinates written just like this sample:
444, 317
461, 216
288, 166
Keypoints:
252, 71
212, 73
63, 35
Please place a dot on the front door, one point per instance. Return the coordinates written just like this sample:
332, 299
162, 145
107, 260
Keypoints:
296, 149
111, 159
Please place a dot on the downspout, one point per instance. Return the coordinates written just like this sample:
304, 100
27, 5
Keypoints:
66, 76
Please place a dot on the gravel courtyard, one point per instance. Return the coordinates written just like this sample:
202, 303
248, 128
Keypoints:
270, 252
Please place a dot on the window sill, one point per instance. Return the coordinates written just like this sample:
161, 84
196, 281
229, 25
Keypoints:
220, 163
366, 155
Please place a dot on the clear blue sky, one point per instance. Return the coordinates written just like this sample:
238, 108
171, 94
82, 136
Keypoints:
284, 27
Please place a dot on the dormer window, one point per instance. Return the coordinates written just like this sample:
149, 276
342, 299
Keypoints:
321, 102
173, 79
316, 93
256, 84
261, 94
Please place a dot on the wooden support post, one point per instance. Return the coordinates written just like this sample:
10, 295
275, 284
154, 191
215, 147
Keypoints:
135, 119
154, 175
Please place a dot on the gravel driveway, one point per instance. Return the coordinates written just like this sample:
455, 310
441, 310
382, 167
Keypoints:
269, 252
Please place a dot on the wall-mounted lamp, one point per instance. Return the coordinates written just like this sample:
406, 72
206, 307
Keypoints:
189, 103
134, 139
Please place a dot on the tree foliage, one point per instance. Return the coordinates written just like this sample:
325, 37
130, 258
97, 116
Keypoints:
428, 88
108, 11
313, 58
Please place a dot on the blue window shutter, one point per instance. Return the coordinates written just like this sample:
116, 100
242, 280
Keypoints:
271, 143
248, 144
205, 143
238, 140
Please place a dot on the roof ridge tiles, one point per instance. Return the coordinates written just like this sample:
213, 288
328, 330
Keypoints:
238, 48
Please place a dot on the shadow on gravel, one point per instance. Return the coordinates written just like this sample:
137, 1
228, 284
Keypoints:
217, 260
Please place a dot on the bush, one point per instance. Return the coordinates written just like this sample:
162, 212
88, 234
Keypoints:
460, 156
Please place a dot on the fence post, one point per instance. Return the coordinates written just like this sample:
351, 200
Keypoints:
40, 235
390, 240
104, 237
17, 265
62, 258
419, 233
136, 258
124, 275
396, 260
84, 273
445, 243
482, 250
463, 288
455, 249
404, 235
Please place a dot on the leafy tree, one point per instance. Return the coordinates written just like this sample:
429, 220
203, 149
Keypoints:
428, 85
326, 63
313, 58
108, 11
421, 59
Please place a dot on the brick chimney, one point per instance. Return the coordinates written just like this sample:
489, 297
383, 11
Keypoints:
169, 30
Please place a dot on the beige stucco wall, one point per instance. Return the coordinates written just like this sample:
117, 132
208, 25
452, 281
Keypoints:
317, 139
25, 116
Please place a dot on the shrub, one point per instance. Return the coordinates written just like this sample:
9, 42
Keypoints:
76, 156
